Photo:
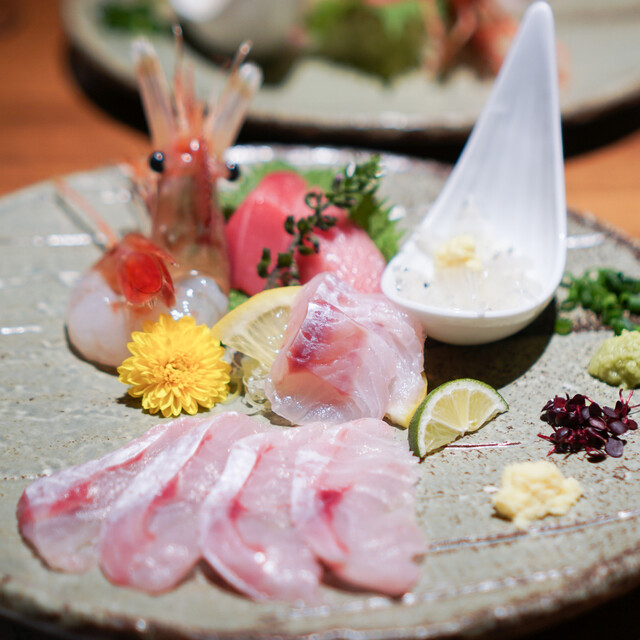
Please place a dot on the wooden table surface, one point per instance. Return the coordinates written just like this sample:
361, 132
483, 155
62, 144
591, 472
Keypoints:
48, 126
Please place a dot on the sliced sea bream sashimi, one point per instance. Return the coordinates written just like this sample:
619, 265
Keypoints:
353, 503
345, 355
149, 540
61, 515
268, 508
246, 533
293, 502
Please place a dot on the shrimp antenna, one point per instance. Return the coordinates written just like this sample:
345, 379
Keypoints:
224, 121
178, 35
241, 55
65, 195
154, 91
182, 83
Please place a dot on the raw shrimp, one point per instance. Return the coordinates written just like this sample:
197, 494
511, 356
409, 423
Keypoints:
183, 267
482, 25
478, 30
128, 285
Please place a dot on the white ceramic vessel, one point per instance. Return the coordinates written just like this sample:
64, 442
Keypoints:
512, 171
223, 25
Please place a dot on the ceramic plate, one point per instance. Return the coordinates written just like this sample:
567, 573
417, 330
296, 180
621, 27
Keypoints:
480, 574
599, 37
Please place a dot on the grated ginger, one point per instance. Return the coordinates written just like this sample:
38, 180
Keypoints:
459, 251
533, 490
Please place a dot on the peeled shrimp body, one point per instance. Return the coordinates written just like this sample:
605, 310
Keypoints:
100, 321
183, 267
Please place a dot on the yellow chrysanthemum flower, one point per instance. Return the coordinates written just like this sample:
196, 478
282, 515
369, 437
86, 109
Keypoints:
175, 366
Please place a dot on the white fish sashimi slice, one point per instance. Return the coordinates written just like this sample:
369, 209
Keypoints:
403, 334
327, 374
246, 533
61, 515
345, 355
353, 503
323, 371
149, 540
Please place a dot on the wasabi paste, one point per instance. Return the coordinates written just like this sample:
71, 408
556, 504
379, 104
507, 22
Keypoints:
617, 360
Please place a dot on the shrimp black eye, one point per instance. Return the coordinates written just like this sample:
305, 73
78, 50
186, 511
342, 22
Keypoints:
234, 171
156, 161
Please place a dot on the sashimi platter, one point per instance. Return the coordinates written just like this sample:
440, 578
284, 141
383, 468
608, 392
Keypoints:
229, 409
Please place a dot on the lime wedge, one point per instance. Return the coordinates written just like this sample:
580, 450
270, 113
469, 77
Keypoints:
451, 410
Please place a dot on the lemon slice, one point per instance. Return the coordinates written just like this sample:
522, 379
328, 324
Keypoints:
451, 410
256, 327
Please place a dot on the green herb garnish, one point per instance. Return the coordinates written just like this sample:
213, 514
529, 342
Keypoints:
613, 296
563, 326
384, 40
368, 210
304, 242
142, 16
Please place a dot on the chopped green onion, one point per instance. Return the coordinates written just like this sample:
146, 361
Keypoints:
611, 295
563, 326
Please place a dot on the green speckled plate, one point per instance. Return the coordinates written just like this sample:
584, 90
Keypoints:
480, 576
599, 41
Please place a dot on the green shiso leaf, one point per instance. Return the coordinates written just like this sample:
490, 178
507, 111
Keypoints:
368, 210
372, 215
236, 298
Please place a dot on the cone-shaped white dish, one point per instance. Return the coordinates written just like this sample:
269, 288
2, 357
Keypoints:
511, 171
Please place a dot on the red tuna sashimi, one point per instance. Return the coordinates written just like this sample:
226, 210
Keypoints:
245, 527
345, 355
150, 540
259, 223
353, 503
61, 515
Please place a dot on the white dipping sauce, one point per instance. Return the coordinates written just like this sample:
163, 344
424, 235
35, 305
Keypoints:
469, 269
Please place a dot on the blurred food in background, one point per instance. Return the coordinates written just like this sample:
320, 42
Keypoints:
388, 37
270, 25
384, 38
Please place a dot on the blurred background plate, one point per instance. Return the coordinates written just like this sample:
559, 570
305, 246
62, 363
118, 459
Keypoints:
318, 100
